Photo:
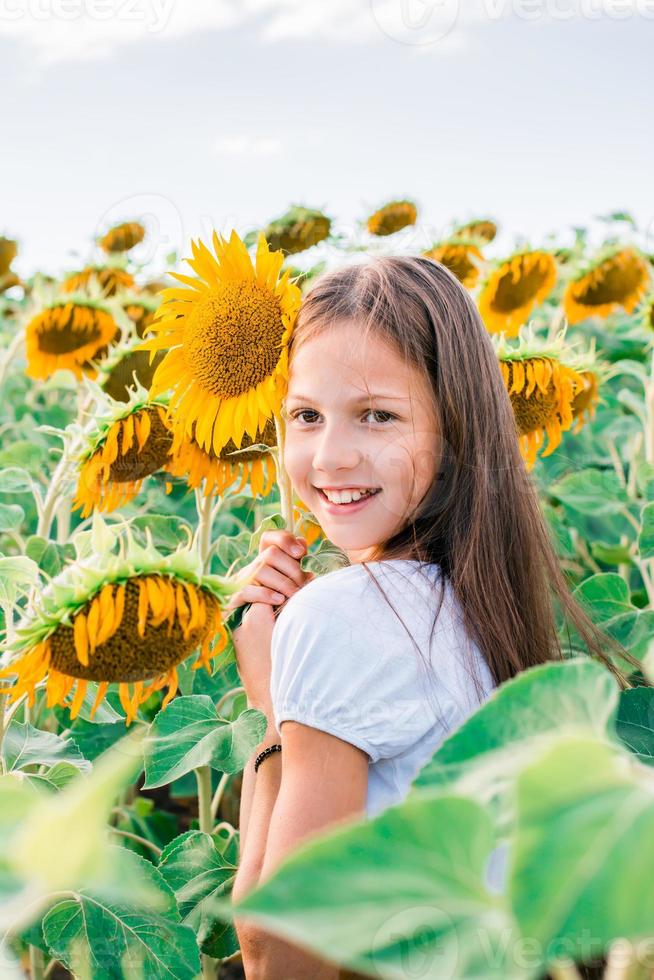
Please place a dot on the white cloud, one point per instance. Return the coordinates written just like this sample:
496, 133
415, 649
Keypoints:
250, 146
74, 30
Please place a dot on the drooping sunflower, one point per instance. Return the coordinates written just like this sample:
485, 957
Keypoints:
543, 379
69, 333
617, 276
226, 335
125, 445
480, 230
130, 621
123, 237
512, 289
219, 471
140, 308
392, 217
461, 256
125, 368
8, 252
297, 230
110, 278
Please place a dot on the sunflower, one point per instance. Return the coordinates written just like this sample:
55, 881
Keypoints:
392, 217
513, 288
297, 230
305, 524
482, 230
8, 252
140, 308
542, 384
126, 368
130, 622
68, 333
195, 464
123, 237
618, 276
129, 443
227, 337
111, 279
462, 257
586, 399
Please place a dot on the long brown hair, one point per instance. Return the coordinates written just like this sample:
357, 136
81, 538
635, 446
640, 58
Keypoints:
481, 520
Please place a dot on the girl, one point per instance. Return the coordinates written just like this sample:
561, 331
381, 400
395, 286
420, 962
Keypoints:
401, 440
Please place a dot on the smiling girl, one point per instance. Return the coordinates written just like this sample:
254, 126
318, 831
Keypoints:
400, 438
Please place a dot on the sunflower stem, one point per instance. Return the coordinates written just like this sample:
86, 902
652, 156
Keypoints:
11, 352
218, 795
137, 838
283, 481
203, 777
37, 963
205, 511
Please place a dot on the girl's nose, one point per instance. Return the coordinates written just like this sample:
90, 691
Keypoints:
334, 450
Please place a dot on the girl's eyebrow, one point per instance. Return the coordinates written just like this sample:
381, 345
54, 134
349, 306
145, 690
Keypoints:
359, 399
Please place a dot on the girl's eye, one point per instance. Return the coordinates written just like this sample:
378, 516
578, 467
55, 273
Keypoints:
371, 411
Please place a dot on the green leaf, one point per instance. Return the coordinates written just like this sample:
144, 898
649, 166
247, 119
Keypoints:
646, 536
605, 595
166, 531
103, 939
635, 722
591, 491
24, 745
188, 734
92, 739
198, 873
611, 554
11, 517
401, 894
584, 849
484, 755
50, 556
15, 480
24, 454
17, 576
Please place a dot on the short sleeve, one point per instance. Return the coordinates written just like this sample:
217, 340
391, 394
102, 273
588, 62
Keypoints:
343, 663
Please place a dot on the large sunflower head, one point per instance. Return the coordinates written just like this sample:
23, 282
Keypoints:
127, 368
461, 256
68, 332
392, 217
111, 279
297, 230
125, 444
542, 379
617, 276
219, 471
513, 287
481, 230
129, 621
226, 334
123, 237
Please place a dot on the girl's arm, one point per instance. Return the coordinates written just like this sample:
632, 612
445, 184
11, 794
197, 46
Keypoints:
317, 781
254, 814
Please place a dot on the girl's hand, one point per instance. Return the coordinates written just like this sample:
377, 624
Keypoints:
252, 642
278, 572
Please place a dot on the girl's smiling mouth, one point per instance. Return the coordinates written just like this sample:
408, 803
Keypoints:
346, 501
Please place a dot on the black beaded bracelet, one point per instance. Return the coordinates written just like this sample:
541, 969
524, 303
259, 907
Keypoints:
262, 755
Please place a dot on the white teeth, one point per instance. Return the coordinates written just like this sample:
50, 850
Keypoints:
346, 496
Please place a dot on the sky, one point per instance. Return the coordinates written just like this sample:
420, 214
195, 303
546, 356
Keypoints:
198, 115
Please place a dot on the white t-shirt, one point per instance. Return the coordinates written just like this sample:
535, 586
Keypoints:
343, 662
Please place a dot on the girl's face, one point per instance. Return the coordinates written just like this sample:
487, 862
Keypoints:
357, 416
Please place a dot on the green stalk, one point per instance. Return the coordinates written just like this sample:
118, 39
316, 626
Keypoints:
205, 820
283, 481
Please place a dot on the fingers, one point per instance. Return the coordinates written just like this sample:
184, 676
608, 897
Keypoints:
254, 593
294, 546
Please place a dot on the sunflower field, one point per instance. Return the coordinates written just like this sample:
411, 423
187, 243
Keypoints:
140, 464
